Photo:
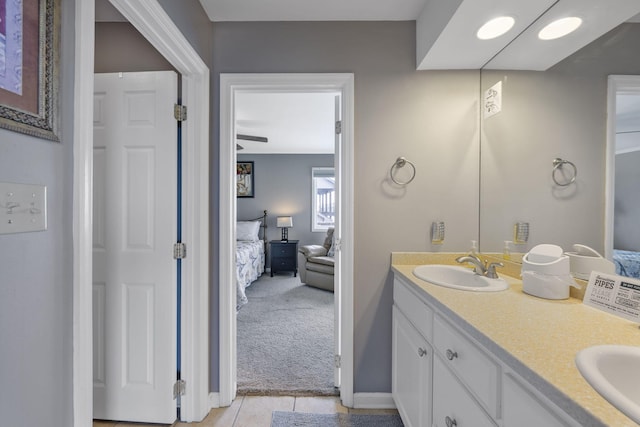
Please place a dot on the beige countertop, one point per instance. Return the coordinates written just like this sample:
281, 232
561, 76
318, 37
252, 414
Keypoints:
538, 338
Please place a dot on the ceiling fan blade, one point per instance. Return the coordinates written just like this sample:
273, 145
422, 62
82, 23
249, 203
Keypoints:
251, 138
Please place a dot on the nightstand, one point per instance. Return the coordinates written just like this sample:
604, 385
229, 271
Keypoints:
284, 256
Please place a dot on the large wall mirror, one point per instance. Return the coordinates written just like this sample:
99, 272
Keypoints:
560, 113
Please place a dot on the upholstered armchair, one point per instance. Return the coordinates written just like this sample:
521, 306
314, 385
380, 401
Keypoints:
315, 263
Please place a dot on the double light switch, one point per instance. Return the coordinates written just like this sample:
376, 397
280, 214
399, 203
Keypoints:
23, 207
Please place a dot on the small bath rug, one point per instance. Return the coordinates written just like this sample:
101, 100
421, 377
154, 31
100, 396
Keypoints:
295, 419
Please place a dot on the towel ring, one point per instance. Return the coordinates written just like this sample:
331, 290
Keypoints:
400, 163
558, 163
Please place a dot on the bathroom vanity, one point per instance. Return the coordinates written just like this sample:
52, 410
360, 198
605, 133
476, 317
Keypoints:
503, 358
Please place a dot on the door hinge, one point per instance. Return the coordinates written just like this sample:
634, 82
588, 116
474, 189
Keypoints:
179, 388
337, 360
338, 127
179, 250
180, 112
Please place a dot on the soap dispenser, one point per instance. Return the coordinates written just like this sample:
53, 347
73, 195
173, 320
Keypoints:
474, 248
506, 251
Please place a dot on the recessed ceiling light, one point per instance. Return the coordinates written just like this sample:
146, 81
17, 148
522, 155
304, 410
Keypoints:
560, 28
495, 27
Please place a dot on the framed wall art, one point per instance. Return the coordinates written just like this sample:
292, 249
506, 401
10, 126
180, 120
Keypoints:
245, 179
29, 44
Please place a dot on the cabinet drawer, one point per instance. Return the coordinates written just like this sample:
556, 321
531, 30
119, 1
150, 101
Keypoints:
418, 313
477, 370
452, 404
283, 249
522, 408
283, 263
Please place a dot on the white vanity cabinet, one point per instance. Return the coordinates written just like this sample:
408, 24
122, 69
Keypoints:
442, 377
412, 357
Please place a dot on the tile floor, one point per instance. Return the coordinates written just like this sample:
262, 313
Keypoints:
255, 411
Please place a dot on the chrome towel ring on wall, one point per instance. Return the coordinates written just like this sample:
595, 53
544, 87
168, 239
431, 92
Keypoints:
400, 163
558, 164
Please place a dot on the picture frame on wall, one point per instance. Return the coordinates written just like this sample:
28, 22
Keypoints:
29, 50
245, 179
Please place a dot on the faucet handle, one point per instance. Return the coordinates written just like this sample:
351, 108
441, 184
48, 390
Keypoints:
491, 270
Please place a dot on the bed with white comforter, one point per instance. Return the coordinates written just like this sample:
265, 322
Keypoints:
250, 255
249, 266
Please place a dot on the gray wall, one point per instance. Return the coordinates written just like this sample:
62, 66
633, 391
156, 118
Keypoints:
627, 204
429, 117
36, 276
283, 187
561, 112
120, 47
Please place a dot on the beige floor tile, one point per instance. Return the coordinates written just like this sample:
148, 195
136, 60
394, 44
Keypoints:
319, 405
97, 423
256, 410
218, 417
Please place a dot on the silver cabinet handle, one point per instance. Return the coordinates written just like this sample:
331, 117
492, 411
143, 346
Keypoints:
421, 352
451, 355
450, 422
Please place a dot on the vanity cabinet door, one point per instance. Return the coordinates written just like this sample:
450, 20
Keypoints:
411, 372
452, 403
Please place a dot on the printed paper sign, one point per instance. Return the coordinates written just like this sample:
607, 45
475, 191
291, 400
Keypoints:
614, 294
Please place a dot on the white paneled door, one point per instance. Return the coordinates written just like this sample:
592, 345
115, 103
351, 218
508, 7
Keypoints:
134, 229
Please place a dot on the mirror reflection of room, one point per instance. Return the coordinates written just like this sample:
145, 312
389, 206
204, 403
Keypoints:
562, 113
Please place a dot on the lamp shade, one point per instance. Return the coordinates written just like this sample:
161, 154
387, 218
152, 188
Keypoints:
285, 221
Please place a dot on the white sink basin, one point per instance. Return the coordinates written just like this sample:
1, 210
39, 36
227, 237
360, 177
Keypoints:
456, 277
614, 372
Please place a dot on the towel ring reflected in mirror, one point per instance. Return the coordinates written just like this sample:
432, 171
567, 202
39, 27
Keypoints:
558, 164
400, 163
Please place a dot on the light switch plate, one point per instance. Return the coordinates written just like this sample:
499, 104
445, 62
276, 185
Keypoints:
493, 100
23, 208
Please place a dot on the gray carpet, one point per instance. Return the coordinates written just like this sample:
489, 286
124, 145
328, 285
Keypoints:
289, 419
285, 339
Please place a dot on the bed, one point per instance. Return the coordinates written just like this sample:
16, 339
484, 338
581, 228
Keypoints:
627, 263
250, 254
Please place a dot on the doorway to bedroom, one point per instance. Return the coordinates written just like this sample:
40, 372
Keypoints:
285, 318
285, 321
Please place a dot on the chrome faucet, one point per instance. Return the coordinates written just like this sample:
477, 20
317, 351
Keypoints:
481, 268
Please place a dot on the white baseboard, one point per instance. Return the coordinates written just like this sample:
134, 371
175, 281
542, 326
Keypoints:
214, 400
373, 401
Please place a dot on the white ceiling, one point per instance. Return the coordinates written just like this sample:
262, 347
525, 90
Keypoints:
312, 10
301, 123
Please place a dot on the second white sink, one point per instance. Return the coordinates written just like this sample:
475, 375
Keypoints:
455, 277
614, 372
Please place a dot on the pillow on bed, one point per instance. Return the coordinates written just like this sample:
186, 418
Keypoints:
248, 230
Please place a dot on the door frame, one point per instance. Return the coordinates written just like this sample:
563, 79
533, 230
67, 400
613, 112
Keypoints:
230, 84
615, 85
150, 19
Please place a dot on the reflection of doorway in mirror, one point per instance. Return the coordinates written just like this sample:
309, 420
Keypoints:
624, 153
